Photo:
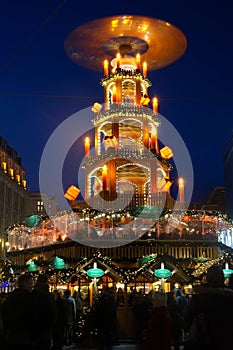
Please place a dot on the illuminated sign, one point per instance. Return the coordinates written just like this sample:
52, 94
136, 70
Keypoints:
162, 273
95, 273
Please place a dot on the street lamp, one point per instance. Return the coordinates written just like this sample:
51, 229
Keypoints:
162, 274
94, 273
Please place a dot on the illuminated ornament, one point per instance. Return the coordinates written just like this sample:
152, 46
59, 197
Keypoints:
96, 108
164, 184
161, 183
33, 221
72, 193
32, 267
145, 100
166, 152
110, 141
58, 263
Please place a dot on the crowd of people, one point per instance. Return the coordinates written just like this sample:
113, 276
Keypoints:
33, 318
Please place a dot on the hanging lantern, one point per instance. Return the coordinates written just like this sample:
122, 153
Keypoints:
166, 152
58, 263
72, 193
32, 267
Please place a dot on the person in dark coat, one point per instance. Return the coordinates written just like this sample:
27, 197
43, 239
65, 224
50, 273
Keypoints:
59, 326
209, 316
158, 334
70, 316
17, 316
45, 313
177, 320
104, 314
141, 307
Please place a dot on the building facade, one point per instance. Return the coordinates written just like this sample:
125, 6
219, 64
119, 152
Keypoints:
13, 189
228, 175
16, 203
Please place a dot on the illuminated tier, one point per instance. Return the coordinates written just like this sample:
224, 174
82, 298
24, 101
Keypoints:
127, 158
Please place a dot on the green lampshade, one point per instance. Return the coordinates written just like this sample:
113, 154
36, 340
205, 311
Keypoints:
58, 263
227, 272
146, 259
32, 267
162, 273
147, 211
33, 221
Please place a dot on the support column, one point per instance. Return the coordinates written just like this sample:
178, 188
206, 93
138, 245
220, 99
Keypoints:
153, 176
145, 133
106, 102
138, 91
118, 89
112, 175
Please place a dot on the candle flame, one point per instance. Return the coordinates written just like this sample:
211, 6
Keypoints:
181, 181
87, 140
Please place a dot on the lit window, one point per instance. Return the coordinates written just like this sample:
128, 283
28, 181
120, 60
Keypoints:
40, 206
